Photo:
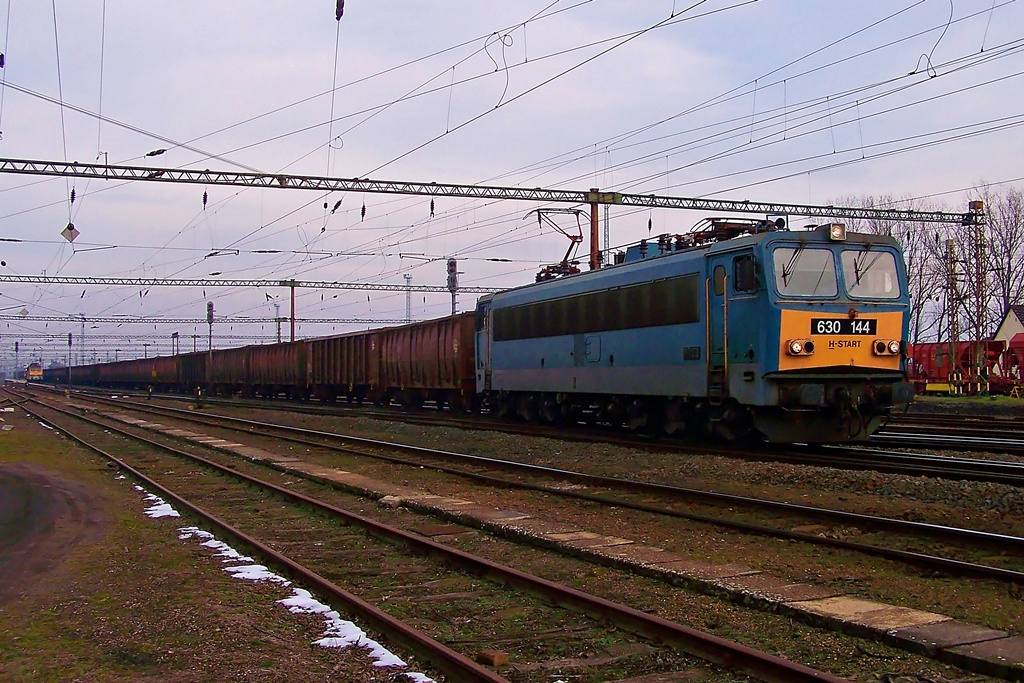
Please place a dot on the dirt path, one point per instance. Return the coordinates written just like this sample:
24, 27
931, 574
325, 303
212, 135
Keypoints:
42, 518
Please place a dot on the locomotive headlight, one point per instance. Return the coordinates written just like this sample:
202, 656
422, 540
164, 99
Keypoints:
837, 232
886, 347
799, 347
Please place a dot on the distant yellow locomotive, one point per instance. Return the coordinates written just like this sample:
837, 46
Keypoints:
34, 372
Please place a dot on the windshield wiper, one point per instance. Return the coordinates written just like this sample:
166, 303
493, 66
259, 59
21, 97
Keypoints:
821, 275
858, 270
787, 270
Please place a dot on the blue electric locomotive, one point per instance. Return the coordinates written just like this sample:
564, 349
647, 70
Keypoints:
744, 327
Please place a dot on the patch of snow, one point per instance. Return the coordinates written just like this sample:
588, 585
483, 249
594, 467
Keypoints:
227, 552
256, 572
45, 425
159, 507
338, 632
417, 677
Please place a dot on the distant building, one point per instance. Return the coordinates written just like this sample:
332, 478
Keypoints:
1011, 333
1013, 324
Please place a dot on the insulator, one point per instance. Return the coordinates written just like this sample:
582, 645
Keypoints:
339, 10
362, 213
336, 205
431, 208
72, 195
650, 224
206, 196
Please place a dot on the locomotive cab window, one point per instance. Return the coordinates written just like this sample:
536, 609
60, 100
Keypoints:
870, 274
719, 277
805, 271
744, 273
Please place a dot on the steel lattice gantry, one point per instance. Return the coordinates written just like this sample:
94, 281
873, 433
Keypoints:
136, 320
593, 197
171, 282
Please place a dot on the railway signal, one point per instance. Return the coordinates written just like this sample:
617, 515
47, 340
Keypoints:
453, 280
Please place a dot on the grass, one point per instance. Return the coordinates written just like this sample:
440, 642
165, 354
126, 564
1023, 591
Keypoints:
134, 601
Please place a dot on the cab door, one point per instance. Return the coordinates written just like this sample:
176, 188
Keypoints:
716, 288
484, 329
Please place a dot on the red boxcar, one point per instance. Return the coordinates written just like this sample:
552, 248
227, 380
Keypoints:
191, 371
163, 373
345, 365
229, 371
277, 369
429, 360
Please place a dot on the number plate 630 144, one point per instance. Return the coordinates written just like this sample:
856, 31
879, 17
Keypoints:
840, 326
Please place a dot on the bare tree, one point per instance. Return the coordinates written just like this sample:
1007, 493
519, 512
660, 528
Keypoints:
1006, 239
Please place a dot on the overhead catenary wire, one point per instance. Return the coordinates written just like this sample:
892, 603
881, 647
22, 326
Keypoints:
3, 65
740, 90
527, 19
376, 213
60, 91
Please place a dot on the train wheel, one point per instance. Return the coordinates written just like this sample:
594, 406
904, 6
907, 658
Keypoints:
526, 407
637, 414
611, 412
731, 421
677, 417
550, 411
504, 406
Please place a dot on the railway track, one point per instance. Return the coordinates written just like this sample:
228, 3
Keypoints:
615, 493
394, 577
654, 498
866, 457
953, 432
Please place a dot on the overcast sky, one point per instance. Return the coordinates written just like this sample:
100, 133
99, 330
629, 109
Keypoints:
798, 101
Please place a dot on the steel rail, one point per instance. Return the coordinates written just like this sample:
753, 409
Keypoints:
960, 442
708, 647
972, 535
955, 566
445, 659
855, 457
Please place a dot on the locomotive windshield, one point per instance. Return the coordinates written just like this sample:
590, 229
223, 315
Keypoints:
870, 274
805, 271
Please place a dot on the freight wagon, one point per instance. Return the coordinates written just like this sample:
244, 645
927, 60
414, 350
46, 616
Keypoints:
740, 328
936, 367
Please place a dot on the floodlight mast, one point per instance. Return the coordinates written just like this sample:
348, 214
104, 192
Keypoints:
594, 197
